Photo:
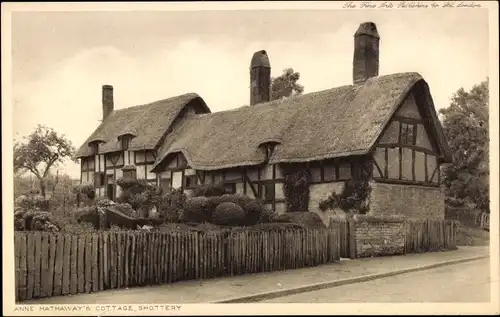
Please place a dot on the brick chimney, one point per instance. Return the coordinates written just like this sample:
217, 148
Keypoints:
366, 53
107, 101
260, 78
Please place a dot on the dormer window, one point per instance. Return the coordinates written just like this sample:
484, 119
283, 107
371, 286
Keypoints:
125, 140
94, 146
268, 148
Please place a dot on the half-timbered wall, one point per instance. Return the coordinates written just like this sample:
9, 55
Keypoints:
406, 168
406, 153
103, 170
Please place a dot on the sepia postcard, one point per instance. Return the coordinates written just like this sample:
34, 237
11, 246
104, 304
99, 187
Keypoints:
256, 157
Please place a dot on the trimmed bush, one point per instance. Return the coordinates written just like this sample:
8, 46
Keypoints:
267, 215
208, 190
126, 209
309, 219
196, 210
228, 214
253, 212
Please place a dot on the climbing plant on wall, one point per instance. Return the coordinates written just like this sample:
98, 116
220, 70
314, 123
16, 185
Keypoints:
296, 187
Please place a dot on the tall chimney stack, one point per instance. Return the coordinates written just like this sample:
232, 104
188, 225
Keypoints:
366, 53
260, 78
107, 101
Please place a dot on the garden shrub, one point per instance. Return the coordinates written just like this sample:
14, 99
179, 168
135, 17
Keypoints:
254, 210
172, 205
169, 227
228, 214
267, 215
196, 210
126, 209
88, 214
139, 193
32, 201
277, 226
208, 190
308, 219
38, 220
84, 192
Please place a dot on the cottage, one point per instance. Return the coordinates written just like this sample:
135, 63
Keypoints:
381, 128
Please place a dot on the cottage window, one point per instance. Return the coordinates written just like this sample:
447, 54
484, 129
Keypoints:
98, 179
230, 188
191, 181
94, 147
407, 133
125, 142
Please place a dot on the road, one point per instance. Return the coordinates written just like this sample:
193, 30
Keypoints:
466, 282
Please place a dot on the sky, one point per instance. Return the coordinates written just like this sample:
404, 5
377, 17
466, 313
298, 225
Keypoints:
60, 60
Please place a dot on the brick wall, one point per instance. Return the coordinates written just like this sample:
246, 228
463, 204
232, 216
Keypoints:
411, 201
379, 238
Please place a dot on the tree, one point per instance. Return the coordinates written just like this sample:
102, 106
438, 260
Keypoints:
465, 124
286, 85
40, 151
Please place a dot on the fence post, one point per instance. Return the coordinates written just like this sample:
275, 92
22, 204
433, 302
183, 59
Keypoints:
352, 239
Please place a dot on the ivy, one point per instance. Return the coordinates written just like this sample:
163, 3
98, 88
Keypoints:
296, 187
352, 199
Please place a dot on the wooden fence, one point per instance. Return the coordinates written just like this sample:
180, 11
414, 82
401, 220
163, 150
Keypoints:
430, 235
50, 264
484, 221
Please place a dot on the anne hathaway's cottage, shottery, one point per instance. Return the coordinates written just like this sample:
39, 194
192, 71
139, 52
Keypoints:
383, 127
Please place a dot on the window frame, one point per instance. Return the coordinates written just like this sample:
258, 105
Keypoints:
404, 137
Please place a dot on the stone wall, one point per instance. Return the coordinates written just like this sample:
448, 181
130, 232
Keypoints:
411, 201
379, 238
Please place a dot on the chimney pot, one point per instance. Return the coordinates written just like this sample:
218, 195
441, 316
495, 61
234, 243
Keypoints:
260, 78
107, 101
366, 53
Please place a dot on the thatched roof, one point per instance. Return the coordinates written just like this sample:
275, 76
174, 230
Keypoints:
331, 123
146, 123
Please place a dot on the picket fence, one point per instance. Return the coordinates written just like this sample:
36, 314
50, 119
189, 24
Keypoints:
430, 235
52, 264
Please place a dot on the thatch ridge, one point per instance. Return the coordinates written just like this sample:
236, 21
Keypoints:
331, 123
147, 122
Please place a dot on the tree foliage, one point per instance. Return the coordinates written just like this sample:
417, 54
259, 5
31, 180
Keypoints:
41, 150
465, 124
286, 85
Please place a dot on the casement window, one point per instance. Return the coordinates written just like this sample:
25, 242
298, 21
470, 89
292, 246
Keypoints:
191, 181
407, 134
230, 188
99, 179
